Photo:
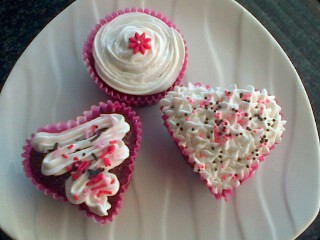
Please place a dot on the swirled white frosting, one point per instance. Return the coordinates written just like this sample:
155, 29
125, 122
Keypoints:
225, 132
138, 74
92, 146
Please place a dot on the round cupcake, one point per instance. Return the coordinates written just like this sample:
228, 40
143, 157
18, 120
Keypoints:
87, 162
223, 133
135, 56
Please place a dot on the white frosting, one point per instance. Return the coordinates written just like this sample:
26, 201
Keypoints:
224, 157
138, 74
96, 144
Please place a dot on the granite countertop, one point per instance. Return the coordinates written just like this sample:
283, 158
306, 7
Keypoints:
295, 24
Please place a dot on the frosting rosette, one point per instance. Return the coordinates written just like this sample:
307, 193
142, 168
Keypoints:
138, 54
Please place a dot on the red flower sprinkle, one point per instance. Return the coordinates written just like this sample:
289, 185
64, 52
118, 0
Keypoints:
70, 146
64, 155
139, 43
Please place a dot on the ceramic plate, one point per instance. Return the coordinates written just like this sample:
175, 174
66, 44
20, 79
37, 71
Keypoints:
166, 200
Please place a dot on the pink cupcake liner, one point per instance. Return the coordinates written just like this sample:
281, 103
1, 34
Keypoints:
131, 100
225, 194
134, 145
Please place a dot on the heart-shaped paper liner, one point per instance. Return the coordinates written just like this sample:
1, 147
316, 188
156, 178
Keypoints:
223, 133
132, 100
54, 186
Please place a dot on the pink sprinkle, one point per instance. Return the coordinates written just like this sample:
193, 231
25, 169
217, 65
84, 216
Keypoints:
75, 176
197, 84
76, 197
111, 149
246, 96
247, 158
64, 156
93, 128
112, 181
187, 118
268, 100
207, 87
102, 192
201, 135
255, 131
218, 115
76, 158
242, 122
106, 162
84, 165
99, 187
68, 168
70, 146
95, 179
201, 166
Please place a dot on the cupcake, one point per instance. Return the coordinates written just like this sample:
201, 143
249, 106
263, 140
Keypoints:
135, 56
87, 162
223, 133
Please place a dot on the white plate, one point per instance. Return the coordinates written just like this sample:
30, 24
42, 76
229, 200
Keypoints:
227, 45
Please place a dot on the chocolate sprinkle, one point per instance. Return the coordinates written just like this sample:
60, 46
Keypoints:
94, 156
55, 147
99, 132
94, 172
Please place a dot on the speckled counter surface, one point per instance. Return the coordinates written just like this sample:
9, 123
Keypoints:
295, 24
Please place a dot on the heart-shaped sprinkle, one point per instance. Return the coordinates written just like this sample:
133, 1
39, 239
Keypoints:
224, 133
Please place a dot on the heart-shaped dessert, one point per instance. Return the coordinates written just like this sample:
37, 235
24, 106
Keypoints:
88, 161
223, 133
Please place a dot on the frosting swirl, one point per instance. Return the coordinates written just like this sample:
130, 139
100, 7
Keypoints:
89, 151
138, 74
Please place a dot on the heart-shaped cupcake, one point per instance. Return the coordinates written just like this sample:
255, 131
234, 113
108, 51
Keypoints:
223, 133
88, 161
